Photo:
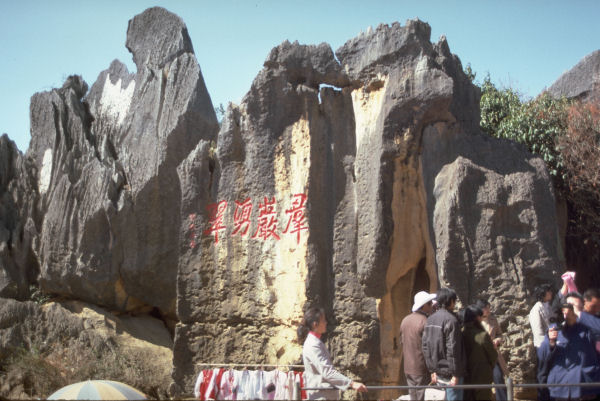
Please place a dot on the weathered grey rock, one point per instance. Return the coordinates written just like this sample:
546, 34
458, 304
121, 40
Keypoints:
76, 339
107, 170
402, 193
580, 82
18, 198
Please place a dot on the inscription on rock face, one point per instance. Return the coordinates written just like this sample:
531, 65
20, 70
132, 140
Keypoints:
267, 219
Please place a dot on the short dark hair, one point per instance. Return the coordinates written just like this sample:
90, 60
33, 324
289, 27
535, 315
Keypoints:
567, 306
445, 296
574, 294
591, 293
540, 291
482, 303
471, 313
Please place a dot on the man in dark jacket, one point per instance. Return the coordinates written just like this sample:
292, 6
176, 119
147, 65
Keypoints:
570, 357
411, 334
443, 345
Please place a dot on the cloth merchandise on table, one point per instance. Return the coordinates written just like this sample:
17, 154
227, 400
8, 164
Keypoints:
230, 384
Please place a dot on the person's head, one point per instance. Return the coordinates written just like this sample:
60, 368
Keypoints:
472, 314
543, 293
568, 312
554, 327
591, 301
484, 305
446, 298
575, 299
423, 302
314, 320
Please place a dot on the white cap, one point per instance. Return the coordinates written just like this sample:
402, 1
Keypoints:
421, 298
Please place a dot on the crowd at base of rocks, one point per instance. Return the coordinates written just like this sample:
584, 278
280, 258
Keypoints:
566, 336
440, 346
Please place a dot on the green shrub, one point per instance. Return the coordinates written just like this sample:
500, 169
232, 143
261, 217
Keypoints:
537, 123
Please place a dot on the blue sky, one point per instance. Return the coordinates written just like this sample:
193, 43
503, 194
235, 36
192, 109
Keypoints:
523, 44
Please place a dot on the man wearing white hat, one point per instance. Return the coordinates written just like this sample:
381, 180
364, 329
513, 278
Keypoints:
411, 333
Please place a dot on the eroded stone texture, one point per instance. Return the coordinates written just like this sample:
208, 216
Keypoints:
581, 82
76, 338
403, 194
107, 170
18, 218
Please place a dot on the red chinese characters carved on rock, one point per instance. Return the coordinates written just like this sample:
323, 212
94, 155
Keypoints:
216, 215
296, 216
241, 217
267, 221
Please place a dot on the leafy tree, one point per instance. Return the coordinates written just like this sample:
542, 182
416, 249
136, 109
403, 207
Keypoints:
580, 152
537, 123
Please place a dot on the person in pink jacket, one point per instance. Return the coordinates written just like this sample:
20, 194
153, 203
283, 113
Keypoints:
318, 368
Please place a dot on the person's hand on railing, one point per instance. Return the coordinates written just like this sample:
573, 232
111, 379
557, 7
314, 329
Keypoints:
361, 388
453, 381
433, 378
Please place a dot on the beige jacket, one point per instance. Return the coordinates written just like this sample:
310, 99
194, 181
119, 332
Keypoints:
319, 371
492, 327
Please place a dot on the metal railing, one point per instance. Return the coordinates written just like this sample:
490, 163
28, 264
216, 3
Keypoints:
509, 386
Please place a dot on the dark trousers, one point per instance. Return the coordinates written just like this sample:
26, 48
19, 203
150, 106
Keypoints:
543, 394
499, 379
417, 380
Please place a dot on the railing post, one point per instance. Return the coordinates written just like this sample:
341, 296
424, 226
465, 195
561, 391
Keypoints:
509, 389
297, 395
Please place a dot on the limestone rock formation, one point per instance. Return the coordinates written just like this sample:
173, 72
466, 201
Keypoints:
18, 221
581, 82
107, 164
78, 339
353, 185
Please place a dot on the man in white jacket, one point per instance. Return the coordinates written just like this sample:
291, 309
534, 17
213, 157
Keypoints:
318, 368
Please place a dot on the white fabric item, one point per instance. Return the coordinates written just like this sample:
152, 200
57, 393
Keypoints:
197, 385
270, 379
435, 394
245, 387
256, 384
290, 386
227, 386
212, 385
281, 385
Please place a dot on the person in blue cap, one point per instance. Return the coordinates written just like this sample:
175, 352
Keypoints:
568, 355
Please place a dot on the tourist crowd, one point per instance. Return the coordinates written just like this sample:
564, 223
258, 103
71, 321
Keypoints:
441, 346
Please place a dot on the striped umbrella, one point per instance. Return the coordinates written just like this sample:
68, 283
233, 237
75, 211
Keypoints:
97, 390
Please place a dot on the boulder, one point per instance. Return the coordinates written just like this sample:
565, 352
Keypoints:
107, 164
59, 343
581, 82
19, 221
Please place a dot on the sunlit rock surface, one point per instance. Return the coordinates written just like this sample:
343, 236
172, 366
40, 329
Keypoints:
107, 162
399, 190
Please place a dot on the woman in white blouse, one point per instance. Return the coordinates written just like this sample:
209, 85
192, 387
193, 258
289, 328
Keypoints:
539, 316
318, 369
